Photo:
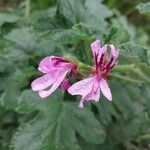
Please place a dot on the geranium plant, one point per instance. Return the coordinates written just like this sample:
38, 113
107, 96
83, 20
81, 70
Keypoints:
74, 75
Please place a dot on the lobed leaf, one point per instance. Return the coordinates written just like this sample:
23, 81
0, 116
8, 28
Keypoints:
56, 125
132, 50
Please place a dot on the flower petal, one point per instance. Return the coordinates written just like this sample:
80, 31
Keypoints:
97, 51
114, 52
51, 63
90, 96
95, 92
82, 87
95, 46
42, 82
59, 78
105, 89
94, 95
81, 103
45, 64
88, 88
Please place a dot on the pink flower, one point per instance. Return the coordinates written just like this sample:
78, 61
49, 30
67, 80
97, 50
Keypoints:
54, 69
90, 88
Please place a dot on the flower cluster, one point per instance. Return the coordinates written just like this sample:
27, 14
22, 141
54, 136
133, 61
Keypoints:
55, 70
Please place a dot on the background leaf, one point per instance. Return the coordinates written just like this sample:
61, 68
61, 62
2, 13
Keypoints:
144, 8
8, 18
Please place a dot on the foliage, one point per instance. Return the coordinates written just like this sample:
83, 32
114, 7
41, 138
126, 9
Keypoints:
144, 8
56, 123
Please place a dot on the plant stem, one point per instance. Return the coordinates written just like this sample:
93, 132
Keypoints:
126, 79
85, 67
143, 137
27, 9
122, 68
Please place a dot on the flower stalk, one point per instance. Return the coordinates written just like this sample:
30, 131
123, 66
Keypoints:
27, 8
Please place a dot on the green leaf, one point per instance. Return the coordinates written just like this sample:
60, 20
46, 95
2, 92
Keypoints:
75, 14
144, 8
82, 30
88, 127
70, 11
106, 111
146, 97
88, 146
87, 11
8, 18
29, 101
132, 50
78, 32
15, 54
45, 23
96, 8
9, 98
22, 76
63, 36
25, 38
25, 45
122, 99
126, 30
95, 17
136, 73
20, 79
128, 105
5, 65
56, 125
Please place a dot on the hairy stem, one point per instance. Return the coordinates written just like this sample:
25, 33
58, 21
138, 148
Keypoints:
27, 9
126, 79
